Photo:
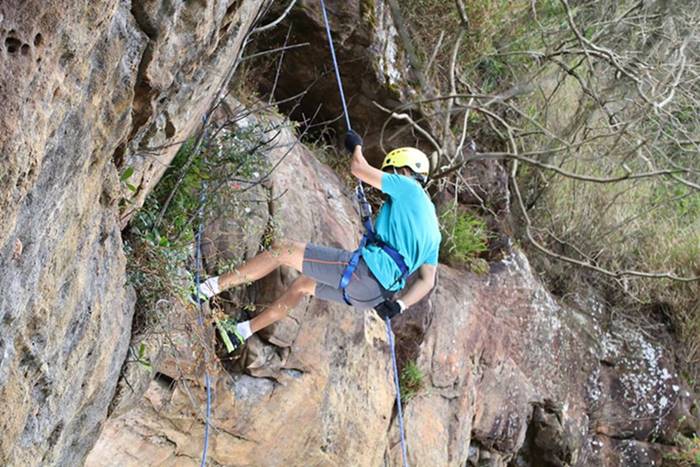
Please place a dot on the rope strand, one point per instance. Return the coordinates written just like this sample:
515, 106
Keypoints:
390, 336
200, 319
335, 66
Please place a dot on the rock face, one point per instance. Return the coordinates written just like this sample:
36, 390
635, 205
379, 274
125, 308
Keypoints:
514, 378
372, 62
511, 377
81, 84
91, 88
191, 51
317, 389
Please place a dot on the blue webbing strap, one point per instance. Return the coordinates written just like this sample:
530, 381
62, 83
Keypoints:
398, 259
370, 238
347, 274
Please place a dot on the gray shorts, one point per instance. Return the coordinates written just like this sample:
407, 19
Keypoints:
326, 266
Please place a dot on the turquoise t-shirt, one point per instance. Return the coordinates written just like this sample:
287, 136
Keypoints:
406, 221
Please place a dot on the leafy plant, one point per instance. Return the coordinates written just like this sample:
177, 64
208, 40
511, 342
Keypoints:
124, 178
464, 237
411, 381
141, 358
203, 179
687, 451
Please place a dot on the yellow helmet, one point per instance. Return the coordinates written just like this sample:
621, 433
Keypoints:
412, 158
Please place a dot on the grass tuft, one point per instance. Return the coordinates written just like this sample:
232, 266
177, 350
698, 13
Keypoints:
411, 381
464, 238
687, 452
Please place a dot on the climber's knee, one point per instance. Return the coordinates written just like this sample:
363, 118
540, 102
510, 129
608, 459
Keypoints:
304, 285
289, 253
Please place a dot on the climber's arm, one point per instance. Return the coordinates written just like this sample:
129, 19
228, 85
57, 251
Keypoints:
361, 169
421, 286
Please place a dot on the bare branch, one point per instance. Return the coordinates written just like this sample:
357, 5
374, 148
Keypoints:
279, 65
277, 49
436, 49
463, 17
447, 125
408, 118
277, 21
586, 264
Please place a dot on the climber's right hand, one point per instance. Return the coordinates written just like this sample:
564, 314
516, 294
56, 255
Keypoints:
352, 140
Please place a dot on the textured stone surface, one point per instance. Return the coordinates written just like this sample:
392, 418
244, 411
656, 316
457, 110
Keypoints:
66, 315
516, 377
372, 63
320, 396
81, 83
511, 376
192, 47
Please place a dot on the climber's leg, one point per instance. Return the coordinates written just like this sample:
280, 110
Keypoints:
300, 288
235, 334
282, 253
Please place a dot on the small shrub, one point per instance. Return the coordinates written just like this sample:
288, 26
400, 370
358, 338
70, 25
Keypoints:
411, 381
687, 451
159, 240
464, 238
155, 267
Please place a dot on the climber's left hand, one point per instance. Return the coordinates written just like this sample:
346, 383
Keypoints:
389, 308
352, 140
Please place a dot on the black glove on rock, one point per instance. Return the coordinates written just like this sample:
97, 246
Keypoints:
388, 309
352, 139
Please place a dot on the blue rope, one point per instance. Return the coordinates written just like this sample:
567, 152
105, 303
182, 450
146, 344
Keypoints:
360, 193
335, 66
200, 320
390, 335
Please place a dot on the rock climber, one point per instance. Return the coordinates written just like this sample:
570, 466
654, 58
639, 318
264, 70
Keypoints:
406, 239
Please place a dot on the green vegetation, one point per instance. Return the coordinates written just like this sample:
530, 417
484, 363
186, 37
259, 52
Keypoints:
687, 451
411, 381
464, 238
492, 23
124, 179
199, 182
597, 137
141, 357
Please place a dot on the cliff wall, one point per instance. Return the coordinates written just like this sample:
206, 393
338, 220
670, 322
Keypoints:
94, 90
87, 88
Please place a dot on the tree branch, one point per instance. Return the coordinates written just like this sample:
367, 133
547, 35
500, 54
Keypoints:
277, 21
585, 264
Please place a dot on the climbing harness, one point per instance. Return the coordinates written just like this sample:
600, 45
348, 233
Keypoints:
369, 237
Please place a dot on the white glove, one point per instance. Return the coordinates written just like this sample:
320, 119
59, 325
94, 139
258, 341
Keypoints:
210, 287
